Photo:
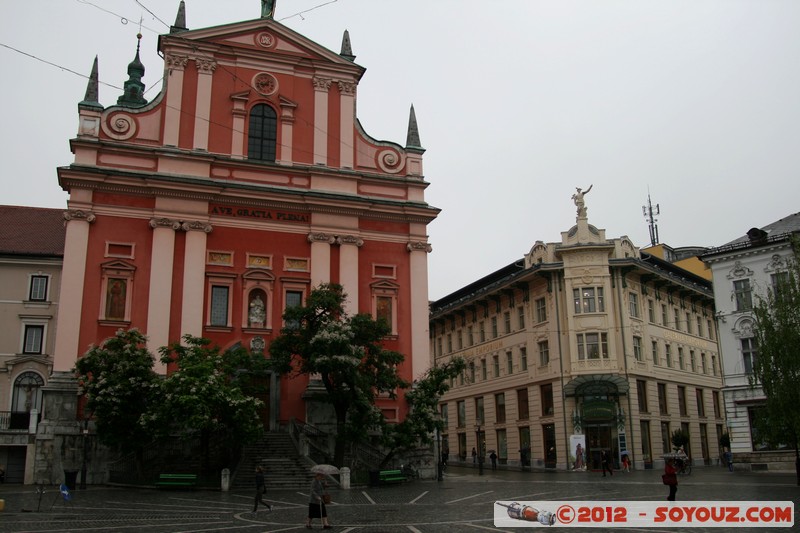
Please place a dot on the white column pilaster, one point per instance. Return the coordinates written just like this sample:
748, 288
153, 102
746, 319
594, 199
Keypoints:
348, 269
202, 113
320, 257
418, 265
172, 114
321, 88
73, 278
194, 268
347, 90
160, 298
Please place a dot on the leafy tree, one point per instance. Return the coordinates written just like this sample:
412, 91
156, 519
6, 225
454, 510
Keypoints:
777, 366
680, 439
423, 419
347, 353
119, 386
205, 396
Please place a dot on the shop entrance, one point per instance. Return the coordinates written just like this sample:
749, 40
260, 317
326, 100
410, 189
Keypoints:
600, 437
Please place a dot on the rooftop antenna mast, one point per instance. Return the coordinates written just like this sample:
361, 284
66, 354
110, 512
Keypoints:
650, 213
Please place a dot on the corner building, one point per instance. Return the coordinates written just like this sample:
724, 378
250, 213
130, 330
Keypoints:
586, 341
244, 184
745, 270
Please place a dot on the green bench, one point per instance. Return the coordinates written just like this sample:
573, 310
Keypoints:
176, 480
391, 476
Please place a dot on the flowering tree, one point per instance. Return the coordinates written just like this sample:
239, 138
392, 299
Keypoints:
348, 355
207, 394
423, 420
119, 386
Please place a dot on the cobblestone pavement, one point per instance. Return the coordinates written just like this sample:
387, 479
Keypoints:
464, 501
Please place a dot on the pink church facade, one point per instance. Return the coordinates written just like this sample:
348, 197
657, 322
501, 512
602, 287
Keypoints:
243, 185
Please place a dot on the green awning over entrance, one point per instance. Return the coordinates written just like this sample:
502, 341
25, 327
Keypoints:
597, 385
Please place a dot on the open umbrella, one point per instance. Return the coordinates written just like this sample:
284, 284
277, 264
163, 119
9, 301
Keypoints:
624, 452
324, 469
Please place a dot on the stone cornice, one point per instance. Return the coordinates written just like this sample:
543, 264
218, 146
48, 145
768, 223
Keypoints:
310, 201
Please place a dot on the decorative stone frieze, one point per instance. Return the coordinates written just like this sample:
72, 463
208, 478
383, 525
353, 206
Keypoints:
740, 271
119, 126
390, 161
321, 84
419, 246
176, 62
205, 66
350, 239
165, 223
196, 225
264, 39
321, 237
79, 214
347, 87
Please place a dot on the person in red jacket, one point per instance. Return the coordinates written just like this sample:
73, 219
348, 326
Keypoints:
671, 478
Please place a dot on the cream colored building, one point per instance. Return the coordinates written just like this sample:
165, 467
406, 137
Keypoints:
31, 256
587, 340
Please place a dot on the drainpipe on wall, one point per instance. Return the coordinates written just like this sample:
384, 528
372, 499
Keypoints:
556, 289
620, 308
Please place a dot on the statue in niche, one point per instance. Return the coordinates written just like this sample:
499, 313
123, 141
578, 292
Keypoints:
578, 199
115, 299
257, 315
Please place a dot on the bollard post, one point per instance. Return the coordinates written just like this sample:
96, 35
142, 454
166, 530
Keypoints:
225, 482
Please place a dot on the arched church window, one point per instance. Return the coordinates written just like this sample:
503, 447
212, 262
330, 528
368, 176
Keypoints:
262, 135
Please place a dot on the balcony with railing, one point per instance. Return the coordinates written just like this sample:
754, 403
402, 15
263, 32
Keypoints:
19, 422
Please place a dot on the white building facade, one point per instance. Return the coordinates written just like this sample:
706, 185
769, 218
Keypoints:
744, 270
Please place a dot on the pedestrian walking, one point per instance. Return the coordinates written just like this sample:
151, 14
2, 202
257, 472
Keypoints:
261, 488
670, 478
605, 462
729, 460
493, 457
474, 456
626, 463
316, 502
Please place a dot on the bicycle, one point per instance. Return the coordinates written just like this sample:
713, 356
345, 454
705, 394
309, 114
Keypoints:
684, 466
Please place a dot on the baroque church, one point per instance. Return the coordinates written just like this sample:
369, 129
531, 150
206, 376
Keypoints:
244, 184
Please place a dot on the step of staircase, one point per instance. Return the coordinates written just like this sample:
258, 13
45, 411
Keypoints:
278, 456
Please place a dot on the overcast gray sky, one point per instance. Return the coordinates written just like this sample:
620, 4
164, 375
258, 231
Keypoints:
518, 102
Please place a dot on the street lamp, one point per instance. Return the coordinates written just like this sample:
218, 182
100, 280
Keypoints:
85, 452
480, 448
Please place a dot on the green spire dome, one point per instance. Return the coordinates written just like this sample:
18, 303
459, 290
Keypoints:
134, 88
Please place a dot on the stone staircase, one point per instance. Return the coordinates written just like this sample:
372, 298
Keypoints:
277, 455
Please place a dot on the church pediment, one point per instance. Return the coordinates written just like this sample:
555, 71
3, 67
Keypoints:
261, 39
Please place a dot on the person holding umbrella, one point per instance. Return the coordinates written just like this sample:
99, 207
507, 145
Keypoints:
626, 461
319, 495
